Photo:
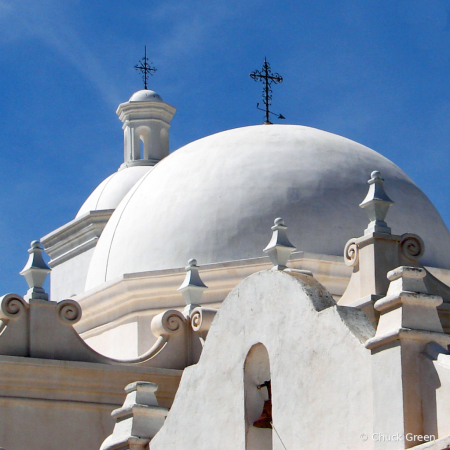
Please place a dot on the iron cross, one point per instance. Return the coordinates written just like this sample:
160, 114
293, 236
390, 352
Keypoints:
145, 68
268, 78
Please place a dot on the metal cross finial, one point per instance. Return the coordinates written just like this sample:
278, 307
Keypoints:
145, 68
268, 78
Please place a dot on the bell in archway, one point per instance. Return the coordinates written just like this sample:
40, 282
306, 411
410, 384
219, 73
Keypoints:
265, 420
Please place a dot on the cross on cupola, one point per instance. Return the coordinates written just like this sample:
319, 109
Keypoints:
146, 122
268, 78
145, 68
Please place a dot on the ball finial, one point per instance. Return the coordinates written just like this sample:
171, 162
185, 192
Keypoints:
35, 244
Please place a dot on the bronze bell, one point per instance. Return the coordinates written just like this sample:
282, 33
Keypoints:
265, 420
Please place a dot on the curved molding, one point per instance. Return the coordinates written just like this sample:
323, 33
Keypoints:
48, 333
151, 353
170, 328
12, 306
164, 326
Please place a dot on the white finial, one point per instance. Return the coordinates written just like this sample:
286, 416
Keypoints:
192, 287
35, 273
376, 205
279, 248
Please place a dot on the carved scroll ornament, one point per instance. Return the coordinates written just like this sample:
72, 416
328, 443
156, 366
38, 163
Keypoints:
351, 253
412, 246
69, 311
12, 306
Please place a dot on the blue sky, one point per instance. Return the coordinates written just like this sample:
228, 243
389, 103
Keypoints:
375, 71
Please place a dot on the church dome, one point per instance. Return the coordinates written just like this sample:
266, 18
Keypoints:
146, 95
216, 198
110, 192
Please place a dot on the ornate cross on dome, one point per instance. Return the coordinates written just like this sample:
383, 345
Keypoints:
268, 78
145, 68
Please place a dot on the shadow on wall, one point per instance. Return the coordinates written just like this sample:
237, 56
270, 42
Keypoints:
256, 374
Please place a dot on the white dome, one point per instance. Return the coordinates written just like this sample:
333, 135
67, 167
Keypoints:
110, 192
216, 198
146, 95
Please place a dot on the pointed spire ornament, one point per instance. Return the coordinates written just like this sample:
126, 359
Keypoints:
279, 248
35, 273
376, 204
192, 287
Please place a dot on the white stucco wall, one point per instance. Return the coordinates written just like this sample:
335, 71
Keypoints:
49, 424
56, 404
435, 384
320, 370
68, 279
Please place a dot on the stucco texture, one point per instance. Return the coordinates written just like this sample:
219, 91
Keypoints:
319, 368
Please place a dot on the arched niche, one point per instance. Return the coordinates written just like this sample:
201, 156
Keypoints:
256, 372
143, 140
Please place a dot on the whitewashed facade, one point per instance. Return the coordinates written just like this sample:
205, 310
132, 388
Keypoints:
343, 304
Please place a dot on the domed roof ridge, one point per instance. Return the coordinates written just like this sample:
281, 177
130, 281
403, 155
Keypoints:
216, 197
120, 211
110, 192
276, 126
105, 185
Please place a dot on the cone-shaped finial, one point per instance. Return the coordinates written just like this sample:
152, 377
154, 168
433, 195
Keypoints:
192, 287
376, 205
35, 273
279, 248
